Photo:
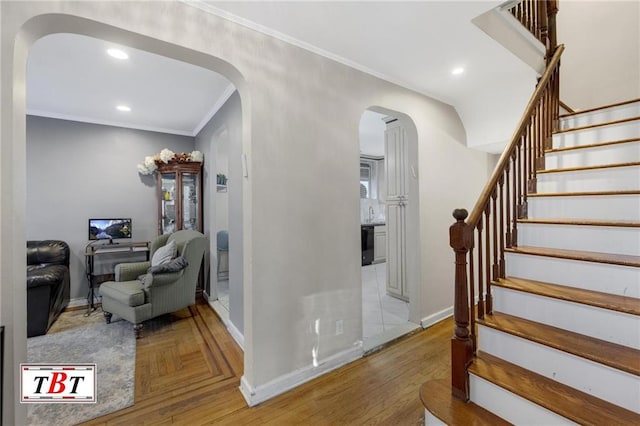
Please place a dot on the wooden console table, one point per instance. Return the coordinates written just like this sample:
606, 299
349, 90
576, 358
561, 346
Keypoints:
93, 251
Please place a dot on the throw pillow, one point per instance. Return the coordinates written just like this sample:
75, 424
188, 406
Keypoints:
174, 265
164, 254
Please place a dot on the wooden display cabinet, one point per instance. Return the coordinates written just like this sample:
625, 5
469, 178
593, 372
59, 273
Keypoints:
179, 196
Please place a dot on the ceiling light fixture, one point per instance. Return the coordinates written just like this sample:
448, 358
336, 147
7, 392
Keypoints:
117, 53
457, 71
123, 108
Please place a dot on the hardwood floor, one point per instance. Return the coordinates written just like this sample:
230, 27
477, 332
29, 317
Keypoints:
188, 371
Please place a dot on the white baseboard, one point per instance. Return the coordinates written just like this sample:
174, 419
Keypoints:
223, 313
255, 396
77, 302
432, 319
235, 333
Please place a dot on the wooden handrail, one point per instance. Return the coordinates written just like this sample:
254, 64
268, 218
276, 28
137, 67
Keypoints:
479, 242
477, 211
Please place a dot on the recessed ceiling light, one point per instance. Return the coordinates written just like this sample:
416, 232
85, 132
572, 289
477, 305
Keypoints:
123, 108
457, 71
117, 53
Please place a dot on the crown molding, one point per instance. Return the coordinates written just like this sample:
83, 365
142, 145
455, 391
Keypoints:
230, 90
92, 120
206, 7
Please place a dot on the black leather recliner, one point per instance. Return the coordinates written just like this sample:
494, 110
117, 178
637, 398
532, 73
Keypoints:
47, 284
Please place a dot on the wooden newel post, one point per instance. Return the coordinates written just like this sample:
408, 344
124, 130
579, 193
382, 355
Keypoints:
461, 343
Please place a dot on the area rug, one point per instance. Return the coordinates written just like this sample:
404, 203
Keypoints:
112, 347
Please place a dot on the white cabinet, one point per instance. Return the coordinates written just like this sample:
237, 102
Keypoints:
379, 244
396, 160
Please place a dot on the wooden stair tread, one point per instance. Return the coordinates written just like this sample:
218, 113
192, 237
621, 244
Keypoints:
581, 168
584, 222
601, 351
584, 111
583, 193
593, 145
437, 398
571, 403
614, 302
593, 126
588, 256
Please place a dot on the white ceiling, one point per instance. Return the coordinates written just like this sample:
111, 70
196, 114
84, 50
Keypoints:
72, 77
414, 44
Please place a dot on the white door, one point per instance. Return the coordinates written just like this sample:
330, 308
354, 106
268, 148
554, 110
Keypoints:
396, 161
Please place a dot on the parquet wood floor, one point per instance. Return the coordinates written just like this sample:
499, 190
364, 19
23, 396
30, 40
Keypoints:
188, 371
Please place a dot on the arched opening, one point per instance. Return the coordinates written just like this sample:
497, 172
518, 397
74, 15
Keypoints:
389, 218
14, 199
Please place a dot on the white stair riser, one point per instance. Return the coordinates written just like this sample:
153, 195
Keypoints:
616, 327
622, 389
601, 116
598, 207
510, 406
602, 239
613, 132
602, 277
596, 156
431, 420
609, 179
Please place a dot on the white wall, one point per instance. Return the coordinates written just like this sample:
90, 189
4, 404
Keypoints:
300, 115
601, 63
371, 131
225, 128
77, 171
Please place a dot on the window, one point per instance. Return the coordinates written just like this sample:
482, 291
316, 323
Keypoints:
367, 178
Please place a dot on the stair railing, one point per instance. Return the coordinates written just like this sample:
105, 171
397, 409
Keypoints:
479, 242
539, 17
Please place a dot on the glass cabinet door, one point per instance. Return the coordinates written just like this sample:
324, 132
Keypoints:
190, 201
179, 196
168, 203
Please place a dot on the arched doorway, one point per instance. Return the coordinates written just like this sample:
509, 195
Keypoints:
13, 295
389, 217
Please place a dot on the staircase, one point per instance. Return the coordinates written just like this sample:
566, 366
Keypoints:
560, 342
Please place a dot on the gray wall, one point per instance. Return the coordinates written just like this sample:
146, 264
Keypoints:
226, 125
77, 171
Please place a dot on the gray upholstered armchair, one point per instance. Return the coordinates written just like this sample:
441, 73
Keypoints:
138, 295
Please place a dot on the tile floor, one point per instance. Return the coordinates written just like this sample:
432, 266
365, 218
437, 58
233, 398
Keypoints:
380, 312
223, 293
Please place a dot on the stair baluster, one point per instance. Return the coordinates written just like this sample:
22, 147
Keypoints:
515, 175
